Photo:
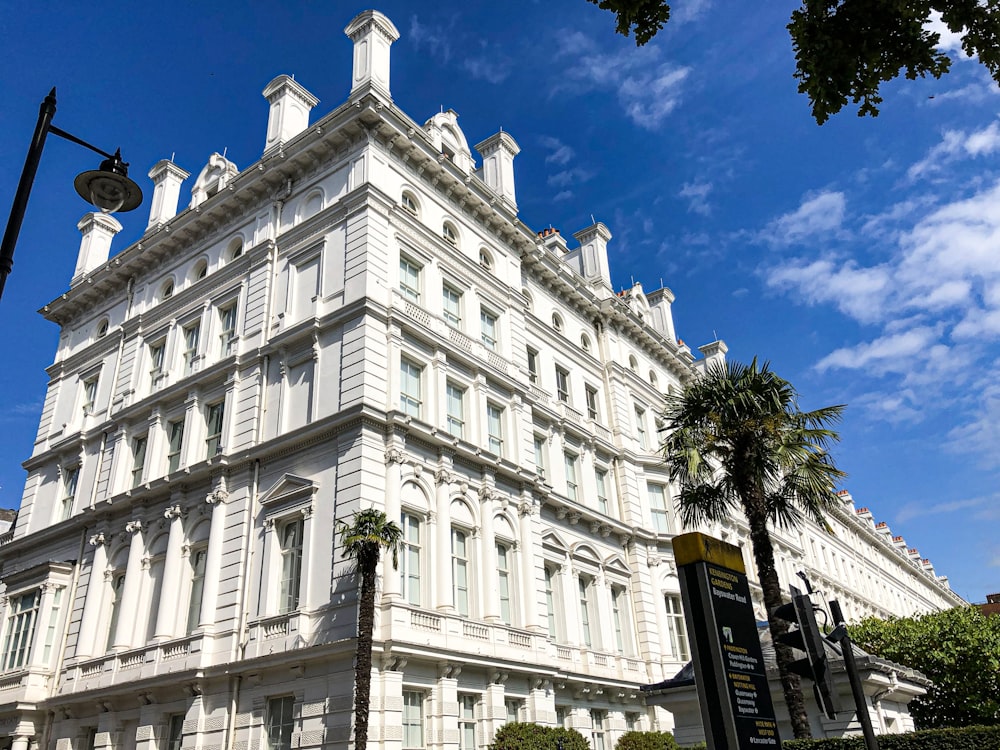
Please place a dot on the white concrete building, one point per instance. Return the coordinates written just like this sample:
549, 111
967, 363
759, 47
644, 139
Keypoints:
359, 319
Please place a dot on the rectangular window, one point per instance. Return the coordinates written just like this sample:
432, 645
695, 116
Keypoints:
540, 455
619, 613
197, 559
562, 385
117, 588
413, 719
494, 428
280, 722
598, 720
52, 629
460, 571
503, 582
157, 350
585, 612
550, 601
227, 335
455, 406
676, 630
89, 395
571, 478
601, 479
214, 416
592, 412
466, 722
175, 732
20, 629
409, 279
409, 388
657, 495
452, 305
291, 565
138, 459
192, 334
70, 480
409, 563
513, 710
640, 428
175, 432
488, 329
532, 366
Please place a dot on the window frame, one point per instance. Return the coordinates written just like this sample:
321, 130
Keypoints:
461, 562
641, 433
571, 464
69, 485
562, 384
19, 628
191, 333
593, 412
229, 320
291, 562
455, 421
677, 634
409, 403
495, 415
659, 509
506, 583
451, 305
409, 273
175, 453
284, 726
489, 328
140, 448
413, 709
411, 557
215, 427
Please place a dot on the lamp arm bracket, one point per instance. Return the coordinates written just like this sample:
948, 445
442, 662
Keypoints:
70, 137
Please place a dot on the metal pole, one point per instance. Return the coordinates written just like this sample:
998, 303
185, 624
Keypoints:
45, 114
852, 673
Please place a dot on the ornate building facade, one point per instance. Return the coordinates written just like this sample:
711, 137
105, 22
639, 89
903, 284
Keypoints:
360, 319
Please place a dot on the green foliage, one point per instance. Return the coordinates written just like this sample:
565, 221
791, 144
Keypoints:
531, 736
846, 49
965, 738
646, 741
369, 533
959, 649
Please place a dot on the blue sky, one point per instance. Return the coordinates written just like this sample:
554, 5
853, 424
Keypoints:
862, 258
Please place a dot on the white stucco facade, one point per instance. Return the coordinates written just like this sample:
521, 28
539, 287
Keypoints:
359, 319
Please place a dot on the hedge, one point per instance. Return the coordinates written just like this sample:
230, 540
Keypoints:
646, 741
963, 738
530, 736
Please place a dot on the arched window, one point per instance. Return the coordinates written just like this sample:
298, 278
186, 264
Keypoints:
167, 290
652, 378
584, 342
633, 363
235, 248
199, 270
449, 233
557, 322
102, 329
409, 203
485, 260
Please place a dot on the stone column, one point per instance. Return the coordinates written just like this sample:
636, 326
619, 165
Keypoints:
491, 602
570, 602
529, 572
393, 511
171, 607
93, 605
442, 569
447, 706
42, 625
20, 742
213, 558
605, 640
125, 632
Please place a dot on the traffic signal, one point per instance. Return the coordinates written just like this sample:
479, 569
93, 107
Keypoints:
808, 638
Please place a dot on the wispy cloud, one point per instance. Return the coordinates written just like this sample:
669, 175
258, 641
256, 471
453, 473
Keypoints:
647, 87
817, 215
696, 194
488, 62
917, 509
435, 38
958, 144
559, 152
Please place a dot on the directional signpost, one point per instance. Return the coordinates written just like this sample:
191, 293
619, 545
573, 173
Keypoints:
736, 706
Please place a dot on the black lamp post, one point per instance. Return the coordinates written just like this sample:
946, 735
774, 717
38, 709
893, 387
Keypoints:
108, 188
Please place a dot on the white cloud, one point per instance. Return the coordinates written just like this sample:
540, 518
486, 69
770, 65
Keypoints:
559, 152
914, 510
492, 67
890, 353
820, 214
957, 144
950, 42
697, 196
437, 39
569, 177
647, 88
857, 292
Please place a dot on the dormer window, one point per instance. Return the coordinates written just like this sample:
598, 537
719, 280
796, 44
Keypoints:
235, 249
409, 203
167, 290
557, 323
485, 261
584, 342
449, 234
200, 270
633, 363
102, 329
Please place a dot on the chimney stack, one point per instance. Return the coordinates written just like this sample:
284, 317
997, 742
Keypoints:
372, 34
98, 230
498, 152
289, 113
167, 178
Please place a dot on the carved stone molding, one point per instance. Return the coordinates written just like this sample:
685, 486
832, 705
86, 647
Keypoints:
134, 526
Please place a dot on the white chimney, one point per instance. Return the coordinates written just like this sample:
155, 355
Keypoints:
372, 34
167, 178
498, 152
594, 252
98, 230
289, 113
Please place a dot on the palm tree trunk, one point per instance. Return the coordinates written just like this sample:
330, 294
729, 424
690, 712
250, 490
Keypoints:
763, 552
363, 662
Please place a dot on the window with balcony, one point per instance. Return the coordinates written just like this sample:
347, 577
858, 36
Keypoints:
657, 495
504, 582
413, 719
460, 571
451, 300
280, 722
138, 459
570, 461
592, 412
22, 614
489, 329
676, 629
175, 442
409, 387
586, 610
409, 279
562, 385
494, 429
192, 336
620, 618
455, 410
290, 535
227, 335
409, 559
550, 602
214, 417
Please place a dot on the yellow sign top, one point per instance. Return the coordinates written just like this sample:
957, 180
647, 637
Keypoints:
698, 547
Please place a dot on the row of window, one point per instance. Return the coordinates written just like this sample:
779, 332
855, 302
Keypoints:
452, 303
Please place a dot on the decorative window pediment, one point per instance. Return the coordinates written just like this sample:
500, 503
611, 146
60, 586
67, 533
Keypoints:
289, 493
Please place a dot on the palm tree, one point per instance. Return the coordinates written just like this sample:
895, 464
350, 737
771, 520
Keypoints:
737, 440
363, 541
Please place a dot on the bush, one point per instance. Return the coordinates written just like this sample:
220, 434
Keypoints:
530, 736
646, 741
964, 738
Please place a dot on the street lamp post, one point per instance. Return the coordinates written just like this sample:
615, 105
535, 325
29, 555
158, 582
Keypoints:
108, 188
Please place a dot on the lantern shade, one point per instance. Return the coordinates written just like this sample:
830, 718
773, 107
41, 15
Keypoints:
109, 187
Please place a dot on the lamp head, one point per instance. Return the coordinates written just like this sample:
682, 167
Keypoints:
109, 187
